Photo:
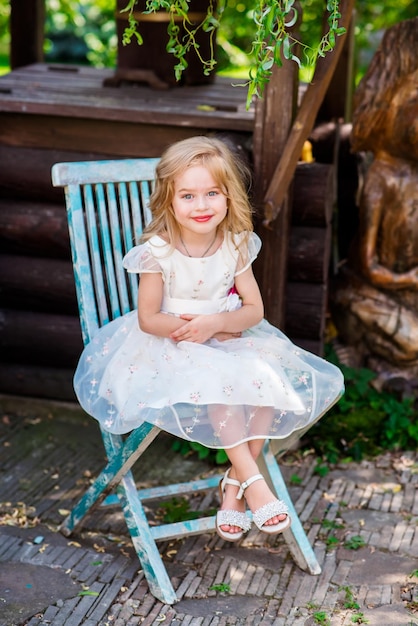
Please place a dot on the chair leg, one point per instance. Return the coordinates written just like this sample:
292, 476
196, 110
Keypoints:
122, 455
117, 475
133, 511
295, 536
144, 543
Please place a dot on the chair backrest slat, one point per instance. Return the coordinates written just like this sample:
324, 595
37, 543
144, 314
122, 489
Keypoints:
108, 207
132, 222
117, 225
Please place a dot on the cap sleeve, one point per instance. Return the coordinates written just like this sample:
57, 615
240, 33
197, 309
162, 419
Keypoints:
141, 260
248, 255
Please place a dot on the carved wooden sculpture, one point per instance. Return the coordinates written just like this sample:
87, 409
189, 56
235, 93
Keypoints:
375, 301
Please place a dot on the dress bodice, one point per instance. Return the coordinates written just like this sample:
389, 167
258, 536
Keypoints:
195, 285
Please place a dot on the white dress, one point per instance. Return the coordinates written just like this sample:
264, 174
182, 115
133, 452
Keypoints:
219, 393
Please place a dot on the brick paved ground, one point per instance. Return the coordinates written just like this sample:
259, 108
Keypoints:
49, 452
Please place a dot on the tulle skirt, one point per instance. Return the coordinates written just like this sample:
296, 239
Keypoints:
218, 393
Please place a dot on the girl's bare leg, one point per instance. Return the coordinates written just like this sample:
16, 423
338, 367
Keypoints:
243, 458
230, 501
226, 422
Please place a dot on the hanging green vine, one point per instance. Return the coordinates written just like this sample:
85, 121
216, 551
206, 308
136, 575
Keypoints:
274, 40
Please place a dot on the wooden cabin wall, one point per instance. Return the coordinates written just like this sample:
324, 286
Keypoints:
40, 337
39, 328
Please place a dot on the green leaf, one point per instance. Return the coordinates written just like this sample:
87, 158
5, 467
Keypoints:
287, 53
267, 64
222, 587
86, 592
354, 543
293, 20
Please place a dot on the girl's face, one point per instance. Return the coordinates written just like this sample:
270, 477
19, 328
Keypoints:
198, 203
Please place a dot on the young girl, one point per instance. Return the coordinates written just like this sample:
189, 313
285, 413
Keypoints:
197, 359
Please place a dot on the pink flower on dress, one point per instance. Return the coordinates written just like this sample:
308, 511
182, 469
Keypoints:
195, 396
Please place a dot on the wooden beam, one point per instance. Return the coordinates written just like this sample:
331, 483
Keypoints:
274, 116
304, 122
27, 24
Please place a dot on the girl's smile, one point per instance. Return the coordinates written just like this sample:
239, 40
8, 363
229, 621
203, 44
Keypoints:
202, 219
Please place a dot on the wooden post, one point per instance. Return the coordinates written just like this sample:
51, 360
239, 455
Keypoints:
274, 117
27, 23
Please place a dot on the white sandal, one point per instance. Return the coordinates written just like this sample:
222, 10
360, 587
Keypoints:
230, 517
269, 510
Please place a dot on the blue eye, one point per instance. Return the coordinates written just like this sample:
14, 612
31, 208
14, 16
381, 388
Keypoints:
212, 193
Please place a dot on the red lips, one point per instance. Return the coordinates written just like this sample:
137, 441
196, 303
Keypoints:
202, 218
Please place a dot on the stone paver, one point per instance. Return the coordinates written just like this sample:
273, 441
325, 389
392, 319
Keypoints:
362, 519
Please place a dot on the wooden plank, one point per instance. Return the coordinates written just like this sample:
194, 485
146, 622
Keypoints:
70, 91
271, 130
305, 311
309, 254
37, 381
38, 284
313, 194
25, 172
55, 77
270, 135
34, 338
36, 228
121, 139
74, 94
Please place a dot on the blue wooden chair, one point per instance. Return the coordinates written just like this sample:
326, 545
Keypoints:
107, 207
